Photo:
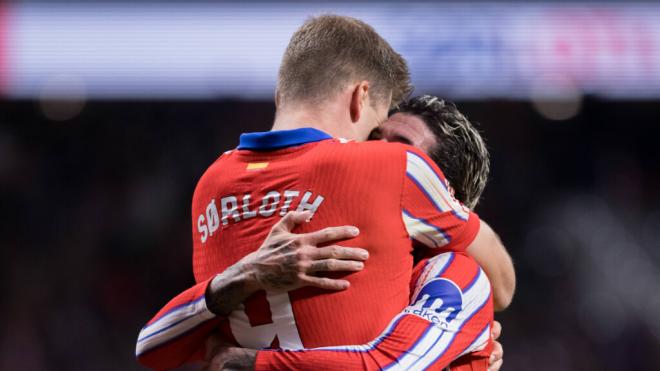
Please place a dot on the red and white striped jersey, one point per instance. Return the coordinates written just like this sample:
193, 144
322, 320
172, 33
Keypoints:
392, 192
450, 315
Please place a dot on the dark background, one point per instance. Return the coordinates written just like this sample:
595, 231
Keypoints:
96, 231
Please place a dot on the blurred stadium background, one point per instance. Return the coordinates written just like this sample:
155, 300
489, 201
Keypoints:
110, 111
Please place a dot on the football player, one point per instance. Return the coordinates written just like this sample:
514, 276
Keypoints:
337, 80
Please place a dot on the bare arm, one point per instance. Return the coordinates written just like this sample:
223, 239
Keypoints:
219, 357
487, 249
286, 261
434, 218
430, 333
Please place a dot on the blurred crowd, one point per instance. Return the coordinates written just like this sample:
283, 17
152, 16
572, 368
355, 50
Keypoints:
95, 228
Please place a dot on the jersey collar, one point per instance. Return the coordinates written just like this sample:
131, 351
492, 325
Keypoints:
270, 140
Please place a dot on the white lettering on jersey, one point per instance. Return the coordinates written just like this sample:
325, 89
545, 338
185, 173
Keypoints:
269, 204
247, 214
288, 199
212, 217
209, 222
229, 208
305, 205
202, 228
258, 337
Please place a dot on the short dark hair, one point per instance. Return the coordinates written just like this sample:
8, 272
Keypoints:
461, 152
331, 50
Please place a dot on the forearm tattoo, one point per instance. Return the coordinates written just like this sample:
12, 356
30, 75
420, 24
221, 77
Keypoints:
227, 291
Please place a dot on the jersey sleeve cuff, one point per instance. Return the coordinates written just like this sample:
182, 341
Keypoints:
264, 361
468, 233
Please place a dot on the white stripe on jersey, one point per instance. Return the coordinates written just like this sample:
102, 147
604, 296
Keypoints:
436, 341
370, 345
480, 342
176, 322
432, 269
425, 233
434, 187
473, 300
431, 338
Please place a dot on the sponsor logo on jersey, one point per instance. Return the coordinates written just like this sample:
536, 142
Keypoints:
439, 302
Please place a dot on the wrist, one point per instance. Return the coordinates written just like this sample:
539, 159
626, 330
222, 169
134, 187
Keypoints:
248, 275
227, 290
212, 294
245, 359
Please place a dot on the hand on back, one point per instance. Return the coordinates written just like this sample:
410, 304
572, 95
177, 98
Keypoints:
287, 261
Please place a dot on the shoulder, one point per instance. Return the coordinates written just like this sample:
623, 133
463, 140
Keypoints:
224, 159
388, 152
390, 158
369, 148
418, 162
461, 260
459, 268
459, 282
223, 164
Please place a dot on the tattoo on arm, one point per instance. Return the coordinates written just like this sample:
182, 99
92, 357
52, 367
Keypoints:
228, 290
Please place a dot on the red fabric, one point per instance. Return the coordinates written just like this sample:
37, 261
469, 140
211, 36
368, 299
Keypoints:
472, 362
406, 333
361, 184
417, 203
184, 347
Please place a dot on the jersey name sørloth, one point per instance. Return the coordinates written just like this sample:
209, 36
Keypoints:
392, 192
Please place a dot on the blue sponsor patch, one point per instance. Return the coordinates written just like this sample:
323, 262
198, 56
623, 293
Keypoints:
439, 301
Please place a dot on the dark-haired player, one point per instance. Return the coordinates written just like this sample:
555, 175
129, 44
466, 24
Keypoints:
444, 288
438, 128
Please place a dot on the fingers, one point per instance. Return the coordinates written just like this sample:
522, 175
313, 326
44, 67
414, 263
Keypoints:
496, 366
331, 234
325, 283
339, 252
291, 220
497, 356
497, 330
331, 265
497, 353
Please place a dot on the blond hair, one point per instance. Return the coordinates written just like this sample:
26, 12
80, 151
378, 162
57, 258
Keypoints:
329, 51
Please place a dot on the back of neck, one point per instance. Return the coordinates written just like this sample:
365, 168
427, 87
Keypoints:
290, 120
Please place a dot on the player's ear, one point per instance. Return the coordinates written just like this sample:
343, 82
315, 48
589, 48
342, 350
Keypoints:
359, 100
277, 97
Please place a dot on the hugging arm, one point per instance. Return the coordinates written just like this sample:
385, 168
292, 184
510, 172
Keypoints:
177, 333
450, 316
435, 219
487, 249
429, 212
